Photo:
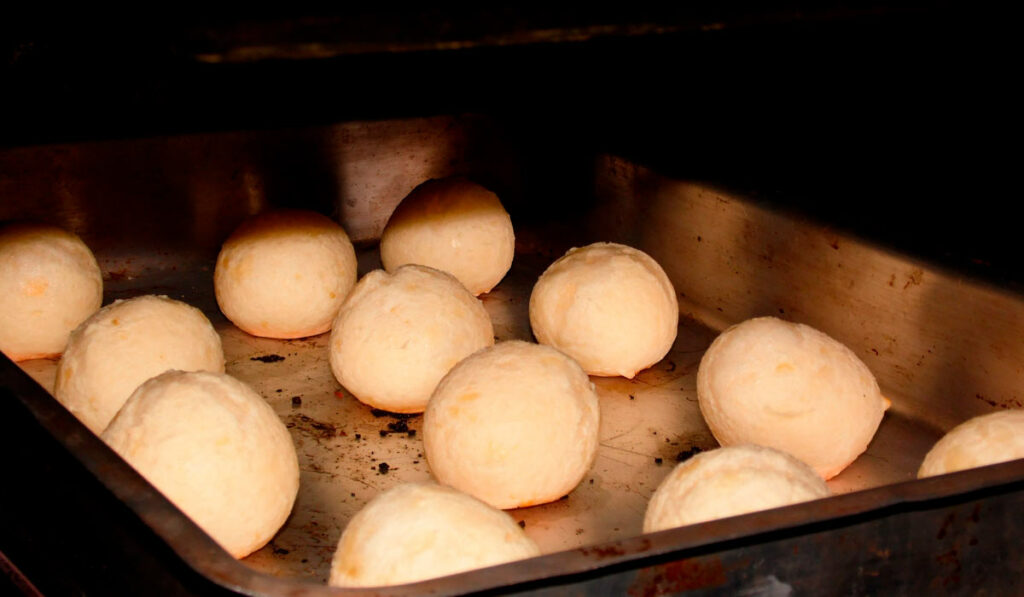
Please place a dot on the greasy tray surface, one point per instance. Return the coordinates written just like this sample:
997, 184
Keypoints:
349, 453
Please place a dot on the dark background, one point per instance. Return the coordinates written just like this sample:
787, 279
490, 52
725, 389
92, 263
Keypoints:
891, 119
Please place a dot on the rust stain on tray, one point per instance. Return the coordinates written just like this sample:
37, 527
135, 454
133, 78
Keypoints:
676, 577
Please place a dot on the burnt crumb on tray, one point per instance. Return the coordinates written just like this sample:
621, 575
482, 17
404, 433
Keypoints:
389, 431
296, 401
399, 425
378, 413
383, 468
268, 358
688, 454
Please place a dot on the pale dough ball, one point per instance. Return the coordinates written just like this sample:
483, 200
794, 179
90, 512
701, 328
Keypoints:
49, 283
515, 425
126, 343
418, 531
453, 225
609, 306
983, 440
788, 386
398, 334
216, 449
728, 482
284, 274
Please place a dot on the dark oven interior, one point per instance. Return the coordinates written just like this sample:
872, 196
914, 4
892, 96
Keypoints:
878, 121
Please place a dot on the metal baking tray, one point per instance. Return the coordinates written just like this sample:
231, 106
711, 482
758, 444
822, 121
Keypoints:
942, 347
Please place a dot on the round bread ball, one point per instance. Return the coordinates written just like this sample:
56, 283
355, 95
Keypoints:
49, 283
453, 225
788, 386
216, 449
398, 334
983, 440
609, 306
418, 531
728, 482
124, 344
515, 425
284, 274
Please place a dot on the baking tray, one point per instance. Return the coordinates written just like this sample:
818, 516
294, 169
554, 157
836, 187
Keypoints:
943, 348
